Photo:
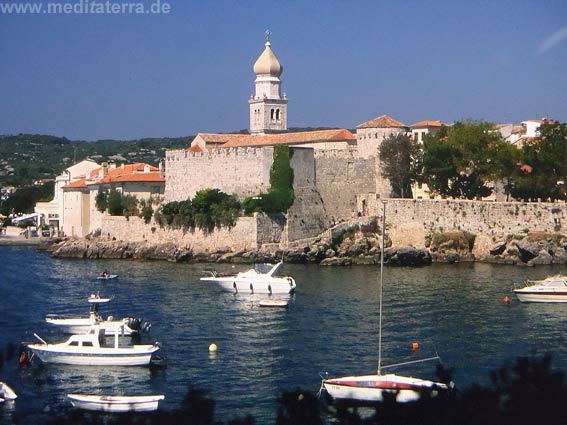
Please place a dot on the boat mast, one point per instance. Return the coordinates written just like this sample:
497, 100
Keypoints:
380, 290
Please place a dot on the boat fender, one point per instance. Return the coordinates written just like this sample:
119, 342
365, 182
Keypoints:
251, 288
235, 288
270, 289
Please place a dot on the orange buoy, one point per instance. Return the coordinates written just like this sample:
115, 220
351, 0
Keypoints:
506, 300
415, 346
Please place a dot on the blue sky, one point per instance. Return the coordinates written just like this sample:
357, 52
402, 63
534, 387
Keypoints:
126, 75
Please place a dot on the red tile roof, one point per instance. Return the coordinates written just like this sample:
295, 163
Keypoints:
302, 137
82, 182
132, 173
120, 174
423, 124
383, 121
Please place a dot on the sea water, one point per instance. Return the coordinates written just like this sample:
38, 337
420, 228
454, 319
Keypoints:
331, 324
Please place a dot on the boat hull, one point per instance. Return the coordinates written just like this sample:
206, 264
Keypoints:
274, 286
116, 403
373, 388
527, 296
107, 357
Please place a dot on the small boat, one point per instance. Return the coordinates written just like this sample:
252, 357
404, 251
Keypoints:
364, 389
106, 276
260, 279
90, 349
552, 289
115, 403
78, 325
273, 303
6, 393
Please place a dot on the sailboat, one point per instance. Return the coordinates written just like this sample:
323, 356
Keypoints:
373, 388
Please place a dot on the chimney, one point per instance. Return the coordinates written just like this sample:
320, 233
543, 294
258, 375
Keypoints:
104, 169
162, 169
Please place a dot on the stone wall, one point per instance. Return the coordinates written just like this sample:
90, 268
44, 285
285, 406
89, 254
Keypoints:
339, 176
241, 237
240, 171
412, 220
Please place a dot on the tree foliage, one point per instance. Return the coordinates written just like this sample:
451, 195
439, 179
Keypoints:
281, 195
460, 161
209, 209
401, 159
23, 200
541, 171
101, 200
115, 206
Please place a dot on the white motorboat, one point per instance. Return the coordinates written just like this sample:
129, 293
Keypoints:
106, 276
254, 281
114, 403
6, 393
552, 289
78, 325
373, 388
91, 349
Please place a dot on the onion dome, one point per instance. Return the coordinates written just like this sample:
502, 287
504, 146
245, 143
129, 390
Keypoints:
268, 63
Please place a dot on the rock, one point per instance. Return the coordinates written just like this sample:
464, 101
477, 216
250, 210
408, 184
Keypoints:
498, 248
366, 260
560, 255
336, 261
412, 257
543, 258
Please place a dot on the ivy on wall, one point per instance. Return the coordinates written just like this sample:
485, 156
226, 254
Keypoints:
280, 196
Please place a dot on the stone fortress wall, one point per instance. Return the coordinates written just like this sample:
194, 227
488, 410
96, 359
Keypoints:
250, 233
240, 171
412, 220
340, 175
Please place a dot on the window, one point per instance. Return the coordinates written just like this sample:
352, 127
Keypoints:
277, 114
272, 114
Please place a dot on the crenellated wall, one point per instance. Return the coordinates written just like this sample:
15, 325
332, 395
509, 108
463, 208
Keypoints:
240, 171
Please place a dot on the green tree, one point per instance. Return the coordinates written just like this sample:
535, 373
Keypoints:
460, 161
401, 161
542, 170
115, 206
147, 211
101, 200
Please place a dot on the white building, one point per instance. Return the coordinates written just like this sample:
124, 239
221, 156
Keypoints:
51, 213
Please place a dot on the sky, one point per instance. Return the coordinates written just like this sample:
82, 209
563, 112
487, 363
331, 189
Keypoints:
188, 69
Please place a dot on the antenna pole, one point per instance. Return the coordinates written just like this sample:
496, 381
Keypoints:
380, 288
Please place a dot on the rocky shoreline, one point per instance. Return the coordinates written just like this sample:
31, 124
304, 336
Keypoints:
345, 245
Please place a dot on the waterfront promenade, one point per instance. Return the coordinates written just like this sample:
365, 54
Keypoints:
14, 236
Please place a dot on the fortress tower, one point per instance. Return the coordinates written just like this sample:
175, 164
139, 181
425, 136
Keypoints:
268, 109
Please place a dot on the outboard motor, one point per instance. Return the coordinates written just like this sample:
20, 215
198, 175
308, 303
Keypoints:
138, 325
146, 326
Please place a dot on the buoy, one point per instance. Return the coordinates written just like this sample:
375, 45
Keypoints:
213, 348
415, 346
506, 300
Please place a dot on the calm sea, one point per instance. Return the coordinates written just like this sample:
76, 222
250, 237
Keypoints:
331, 325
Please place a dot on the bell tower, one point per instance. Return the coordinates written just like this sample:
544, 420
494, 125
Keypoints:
268, 109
